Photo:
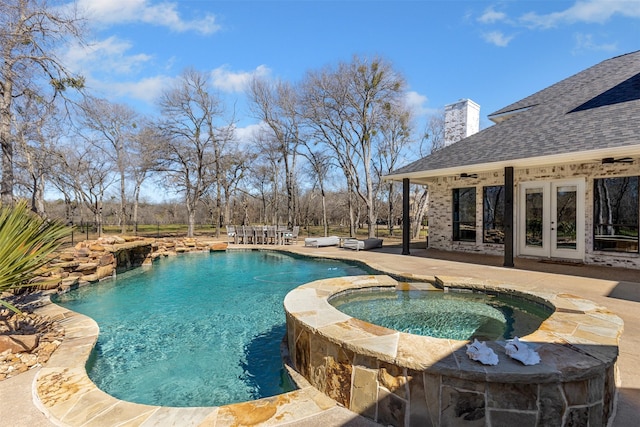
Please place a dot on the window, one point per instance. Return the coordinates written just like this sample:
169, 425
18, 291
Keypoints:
615, 214
464, 214
493, 214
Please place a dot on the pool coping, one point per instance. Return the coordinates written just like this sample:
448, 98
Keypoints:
63, 391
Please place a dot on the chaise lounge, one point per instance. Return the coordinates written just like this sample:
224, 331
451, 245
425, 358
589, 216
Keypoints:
362, 245
322, 241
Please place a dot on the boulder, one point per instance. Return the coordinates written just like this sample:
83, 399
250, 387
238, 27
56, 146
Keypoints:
96, 247
18, 343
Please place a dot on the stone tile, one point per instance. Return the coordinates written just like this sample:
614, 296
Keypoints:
420, 353
72, 353
596, 389
324, 317
576, 392
339, 369
511, 418
432, 384
462, 384
58, 390
595, 415
393, 378
385, 346
318, 360
364, 392
303, 300
270, 411
522, 397
302, 353
123, 414
418, 409
90, 405
344, 331
597, 335
552, 405
391, 408
462, 408
577, 417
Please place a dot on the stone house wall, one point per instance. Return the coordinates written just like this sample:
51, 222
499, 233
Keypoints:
441, 207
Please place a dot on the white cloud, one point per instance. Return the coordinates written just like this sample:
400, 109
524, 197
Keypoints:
587, 42
105, 55
497, 38
490, 16
247, 133
416, 102
147, 89
102, 61
229, 81
589, 11
109, 12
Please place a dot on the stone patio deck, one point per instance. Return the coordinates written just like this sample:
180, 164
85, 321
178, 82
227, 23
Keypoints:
71, 399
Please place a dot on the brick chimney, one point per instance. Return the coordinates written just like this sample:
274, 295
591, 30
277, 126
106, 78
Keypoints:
461, 119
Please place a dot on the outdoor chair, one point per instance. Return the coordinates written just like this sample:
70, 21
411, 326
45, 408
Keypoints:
291, 236
258, 235
231, 234
362, 245
244, 234
271, 234
322, 241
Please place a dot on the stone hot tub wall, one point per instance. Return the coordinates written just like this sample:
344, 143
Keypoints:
400, 379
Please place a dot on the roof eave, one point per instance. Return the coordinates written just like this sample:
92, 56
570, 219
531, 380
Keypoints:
423, 177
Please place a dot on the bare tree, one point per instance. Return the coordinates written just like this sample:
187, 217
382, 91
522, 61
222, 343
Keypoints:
433, 139
111, 129
30, 33
143, 162
346, 108
396, 133
276, 104
82, 169
192, 140
36, 131
266, 177
320, 164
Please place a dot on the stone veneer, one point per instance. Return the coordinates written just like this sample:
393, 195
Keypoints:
441, 207
401, 379
93, 260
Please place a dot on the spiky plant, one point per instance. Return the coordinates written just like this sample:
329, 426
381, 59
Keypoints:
27, 243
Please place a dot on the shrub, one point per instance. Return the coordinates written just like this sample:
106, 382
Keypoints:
27, 243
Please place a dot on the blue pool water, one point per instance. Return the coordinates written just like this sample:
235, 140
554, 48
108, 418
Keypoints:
197, 329
448, 315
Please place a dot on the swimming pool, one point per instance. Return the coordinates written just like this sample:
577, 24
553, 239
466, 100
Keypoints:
197, 329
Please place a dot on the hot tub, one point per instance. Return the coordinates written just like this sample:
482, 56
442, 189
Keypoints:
400, 379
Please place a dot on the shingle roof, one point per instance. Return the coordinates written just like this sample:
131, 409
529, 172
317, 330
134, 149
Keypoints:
595, 109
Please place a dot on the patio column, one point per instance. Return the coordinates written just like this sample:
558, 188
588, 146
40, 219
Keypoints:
406, 222
508, 216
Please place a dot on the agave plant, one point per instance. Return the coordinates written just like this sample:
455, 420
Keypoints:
27, 243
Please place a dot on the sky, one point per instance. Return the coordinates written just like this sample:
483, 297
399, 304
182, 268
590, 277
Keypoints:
493, 52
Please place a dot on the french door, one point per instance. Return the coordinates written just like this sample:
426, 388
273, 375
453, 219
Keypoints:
551, 219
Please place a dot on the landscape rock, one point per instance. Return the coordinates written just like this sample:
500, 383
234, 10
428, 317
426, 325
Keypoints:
18, 343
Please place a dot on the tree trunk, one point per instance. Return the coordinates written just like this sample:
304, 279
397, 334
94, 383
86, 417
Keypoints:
192, 221
6, 141
421, 209
123, 205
